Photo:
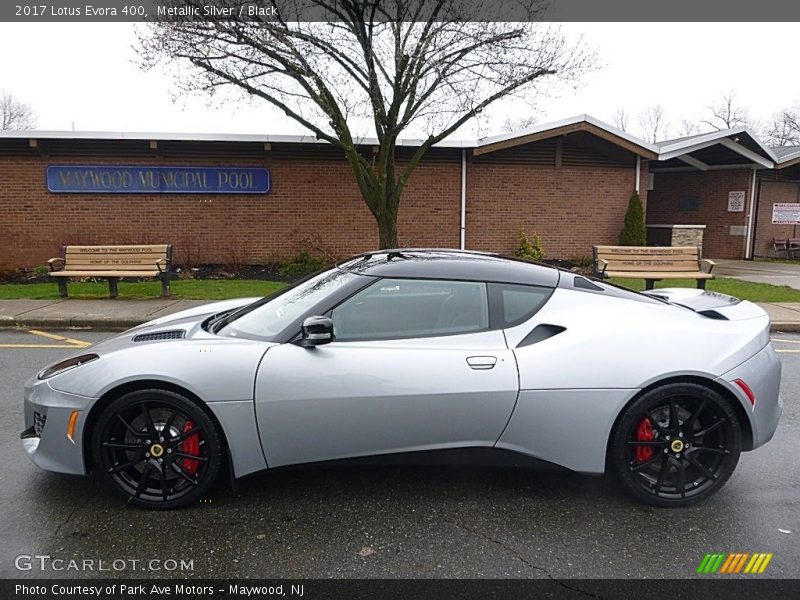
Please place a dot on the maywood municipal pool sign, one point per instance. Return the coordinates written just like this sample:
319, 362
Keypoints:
110, 179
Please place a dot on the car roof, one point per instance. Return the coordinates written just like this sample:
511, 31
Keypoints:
444, 263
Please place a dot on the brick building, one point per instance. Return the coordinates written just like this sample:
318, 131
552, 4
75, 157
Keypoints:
717, 180
569, 181
551, 181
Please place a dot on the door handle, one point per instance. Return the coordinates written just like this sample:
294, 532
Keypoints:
482, 362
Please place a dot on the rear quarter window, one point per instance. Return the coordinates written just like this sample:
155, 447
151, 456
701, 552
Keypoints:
513, 304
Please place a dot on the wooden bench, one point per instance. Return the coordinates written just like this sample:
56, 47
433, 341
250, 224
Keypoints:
113, 263
652, 263
788, 245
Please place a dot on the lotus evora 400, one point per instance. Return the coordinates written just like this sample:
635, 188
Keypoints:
417, 350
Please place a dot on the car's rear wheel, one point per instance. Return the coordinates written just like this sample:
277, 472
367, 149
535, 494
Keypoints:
157, 449
676, 445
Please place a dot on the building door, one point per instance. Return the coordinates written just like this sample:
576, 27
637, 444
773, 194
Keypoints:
771, 193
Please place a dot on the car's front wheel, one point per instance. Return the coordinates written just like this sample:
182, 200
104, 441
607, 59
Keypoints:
676, 445
157, 449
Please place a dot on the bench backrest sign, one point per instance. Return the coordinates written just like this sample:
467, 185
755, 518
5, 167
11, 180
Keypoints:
112, 179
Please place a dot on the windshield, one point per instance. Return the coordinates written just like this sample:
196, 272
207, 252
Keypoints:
267, 320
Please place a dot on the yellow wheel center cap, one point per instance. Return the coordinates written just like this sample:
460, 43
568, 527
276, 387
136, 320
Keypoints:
676, 445
156, 450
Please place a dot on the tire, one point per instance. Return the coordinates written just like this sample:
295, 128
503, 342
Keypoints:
149, 469
676, 445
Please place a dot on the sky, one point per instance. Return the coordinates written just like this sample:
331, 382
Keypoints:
85, 77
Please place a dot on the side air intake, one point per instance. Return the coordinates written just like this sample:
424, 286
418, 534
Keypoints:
540, 333
175, 334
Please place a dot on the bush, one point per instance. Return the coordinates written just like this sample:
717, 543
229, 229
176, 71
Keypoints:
634, 232
302, 264
41, 270
530, 249
582, 262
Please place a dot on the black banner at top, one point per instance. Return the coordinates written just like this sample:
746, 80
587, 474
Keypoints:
68, 11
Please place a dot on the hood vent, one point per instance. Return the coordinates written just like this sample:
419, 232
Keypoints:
713, 314
175, 334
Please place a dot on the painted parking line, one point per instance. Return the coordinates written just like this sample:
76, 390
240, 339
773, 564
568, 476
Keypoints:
66, 342
786, 350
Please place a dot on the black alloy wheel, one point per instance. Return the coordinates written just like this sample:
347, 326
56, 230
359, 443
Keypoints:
676, 445
157, 449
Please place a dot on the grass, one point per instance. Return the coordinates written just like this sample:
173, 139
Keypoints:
745, 290
192, 289
222, 289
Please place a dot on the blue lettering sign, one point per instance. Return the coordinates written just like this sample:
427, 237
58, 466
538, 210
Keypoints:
112, 179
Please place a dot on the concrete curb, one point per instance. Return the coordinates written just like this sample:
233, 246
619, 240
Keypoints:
74, 323
784, 327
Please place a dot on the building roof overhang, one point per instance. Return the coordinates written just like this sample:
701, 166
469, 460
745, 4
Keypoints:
788, 160
697, 151
734, 148
563, 127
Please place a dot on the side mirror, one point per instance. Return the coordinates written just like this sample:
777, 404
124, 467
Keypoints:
316, 331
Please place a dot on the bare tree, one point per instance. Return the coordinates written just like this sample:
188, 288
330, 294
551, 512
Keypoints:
423, 63
784, 130
511, 125
15, 114
727, 114
653, 123
687, 128
621, 119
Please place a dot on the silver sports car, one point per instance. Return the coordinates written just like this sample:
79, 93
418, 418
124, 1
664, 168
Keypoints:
416, 350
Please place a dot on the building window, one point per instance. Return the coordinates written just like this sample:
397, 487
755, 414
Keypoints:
689, 203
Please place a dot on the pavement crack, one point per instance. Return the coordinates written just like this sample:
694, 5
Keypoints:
69, 516
520, 557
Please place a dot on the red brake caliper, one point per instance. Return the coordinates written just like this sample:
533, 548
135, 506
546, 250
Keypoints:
191, 445
644, 433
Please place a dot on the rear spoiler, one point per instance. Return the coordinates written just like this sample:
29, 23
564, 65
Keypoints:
710, 304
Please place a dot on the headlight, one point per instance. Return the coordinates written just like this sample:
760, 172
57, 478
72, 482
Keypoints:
66, 365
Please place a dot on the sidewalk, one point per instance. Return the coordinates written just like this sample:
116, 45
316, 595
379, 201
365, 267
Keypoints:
115, 315
109, 315
760, 271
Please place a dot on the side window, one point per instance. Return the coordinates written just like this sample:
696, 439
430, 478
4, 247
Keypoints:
406, 308
513, 304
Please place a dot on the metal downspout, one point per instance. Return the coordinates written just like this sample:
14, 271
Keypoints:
748, 254
463, 199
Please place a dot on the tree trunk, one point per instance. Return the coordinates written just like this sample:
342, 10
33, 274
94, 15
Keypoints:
387, 231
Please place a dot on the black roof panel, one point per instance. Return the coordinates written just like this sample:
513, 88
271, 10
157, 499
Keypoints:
450, 264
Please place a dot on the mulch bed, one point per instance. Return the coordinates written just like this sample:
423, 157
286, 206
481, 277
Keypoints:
216, 272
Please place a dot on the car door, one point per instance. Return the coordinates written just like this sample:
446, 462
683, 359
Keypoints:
414, 366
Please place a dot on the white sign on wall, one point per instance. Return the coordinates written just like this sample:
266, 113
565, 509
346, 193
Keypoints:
786, 213
736, 201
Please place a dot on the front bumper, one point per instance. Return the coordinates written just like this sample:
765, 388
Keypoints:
46, 443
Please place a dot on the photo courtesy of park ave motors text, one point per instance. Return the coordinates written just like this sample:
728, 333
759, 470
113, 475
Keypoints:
436, 297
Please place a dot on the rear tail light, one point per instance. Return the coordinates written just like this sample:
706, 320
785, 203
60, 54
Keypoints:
747, 391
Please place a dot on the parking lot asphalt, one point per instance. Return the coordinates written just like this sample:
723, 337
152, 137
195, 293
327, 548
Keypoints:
391, 521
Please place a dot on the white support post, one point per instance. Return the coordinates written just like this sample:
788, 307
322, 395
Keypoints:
638, 172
